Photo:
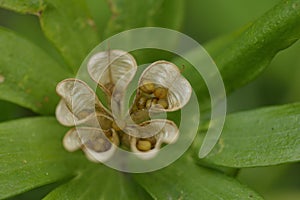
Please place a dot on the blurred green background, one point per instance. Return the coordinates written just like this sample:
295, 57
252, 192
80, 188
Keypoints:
204, 21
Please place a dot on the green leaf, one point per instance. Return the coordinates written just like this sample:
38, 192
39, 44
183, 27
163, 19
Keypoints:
22, 6
130, 14
28, 76
248, 55
242, 56
32, 155
101, 14
185, 180
267, 136
99, 182
12, 111
70, 27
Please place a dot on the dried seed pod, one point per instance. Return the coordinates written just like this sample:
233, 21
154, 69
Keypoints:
165, 131
71, 141
93, 141
98, 144
110, 67
167, 75
161, 92
143, 145
78, 103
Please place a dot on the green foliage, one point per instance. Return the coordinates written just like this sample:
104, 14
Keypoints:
263, 137
31, 153
128, 14
29, 76
185, 180
246, 53
99, 182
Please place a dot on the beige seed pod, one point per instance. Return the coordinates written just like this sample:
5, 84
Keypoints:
107, 68
169, 84
80, 108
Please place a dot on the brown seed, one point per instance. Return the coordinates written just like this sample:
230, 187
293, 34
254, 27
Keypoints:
161, 92
115, 126
104, 122
144, 145
163, 102
147, 87
140, 116
141, 103
119, 126
148, 103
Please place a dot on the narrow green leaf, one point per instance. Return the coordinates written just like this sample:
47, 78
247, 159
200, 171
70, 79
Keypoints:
267, 136
99, 182
32, 155
185, 180
28, 76
242, 56
130, 14
23, 6
70, 27
247, 56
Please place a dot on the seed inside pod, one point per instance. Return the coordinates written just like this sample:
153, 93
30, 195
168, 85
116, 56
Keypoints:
144, 145
99, 144
141, 103
84, 113
118, 126
104, 122
125, 139
163, 102
151, 102
147, 87
161, 92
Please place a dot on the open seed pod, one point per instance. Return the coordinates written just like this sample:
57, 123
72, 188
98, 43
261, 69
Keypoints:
163, 85
79, 103
109, 67
159, 131
94, 142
